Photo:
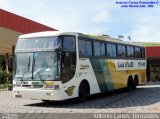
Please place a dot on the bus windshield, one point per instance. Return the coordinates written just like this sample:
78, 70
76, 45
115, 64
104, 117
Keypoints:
37, 66
38, 43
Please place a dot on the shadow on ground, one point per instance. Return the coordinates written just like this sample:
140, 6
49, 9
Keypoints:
142, 96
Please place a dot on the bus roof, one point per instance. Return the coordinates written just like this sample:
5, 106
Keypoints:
46, 34
90, 36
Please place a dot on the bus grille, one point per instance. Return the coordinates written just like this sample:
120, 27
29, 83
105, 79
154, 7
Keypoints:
32, 86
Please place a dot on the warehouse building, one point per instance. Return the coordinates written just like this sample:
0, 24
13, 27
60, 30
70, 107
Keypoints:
153, 61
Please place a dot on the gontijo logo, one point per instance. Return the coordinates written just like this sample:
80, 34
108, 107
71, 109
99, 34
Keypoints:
69, 90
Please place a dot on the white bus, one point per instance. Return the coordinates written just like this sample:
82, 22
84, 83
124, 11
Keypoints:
64, 65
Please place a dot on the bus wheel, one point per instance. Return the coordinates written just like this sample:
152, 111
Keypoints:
130, 84
84, 91
135, 82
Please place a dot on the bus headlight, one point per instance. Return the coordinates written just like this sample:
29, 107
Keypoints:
54, 87
17, 92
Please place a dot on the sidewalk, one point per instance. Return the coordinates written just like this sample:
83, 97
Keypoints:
153, 83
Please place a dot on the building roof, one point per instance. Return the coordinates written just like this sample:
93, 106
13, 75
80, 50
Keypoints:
12, 25
21, 24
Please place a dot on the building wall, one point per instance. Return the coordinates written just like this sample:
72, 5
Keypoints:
153, 63
153, 51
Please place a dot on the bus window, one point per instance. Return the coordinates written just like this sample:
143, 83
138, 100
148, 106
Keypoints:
85, 47
111, 50
114, 51
88, 48
143, 52
121, 51
97, 50
82, 48
102, 49
130, 52
69, 43
138, 53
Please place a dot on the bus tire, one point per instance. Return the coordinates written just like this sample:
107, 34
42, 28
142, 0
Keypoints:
136, 82
130, 84
84, 91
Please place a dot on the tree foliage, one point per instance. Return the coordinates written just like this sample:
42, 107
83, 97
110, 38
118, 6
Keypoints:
2, 63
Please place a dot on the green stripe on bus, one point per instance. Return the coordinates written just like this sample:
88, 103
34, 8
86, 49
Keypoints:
106, 74
102, 74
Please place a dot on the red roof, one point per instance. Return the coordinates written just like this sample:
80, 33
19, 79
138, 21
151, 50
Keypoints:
153, 51
21, 24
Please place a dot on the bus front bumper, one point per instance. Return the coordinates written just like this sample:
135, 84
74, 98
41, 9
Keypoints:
39, 94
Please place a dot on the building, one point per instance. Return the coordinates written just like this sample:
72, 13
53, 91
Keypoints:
153, 61
11, 26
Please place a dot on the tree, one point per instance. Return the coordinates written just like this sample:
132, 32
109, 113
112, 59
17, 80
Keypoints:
2, 62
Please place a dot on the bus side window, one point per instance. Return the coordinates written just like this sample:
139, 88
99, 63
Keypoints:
130, 52
121, 51
114, 50
111, 50
143, 52
69, 43
138, 53
88, 48
82, 48
97, 50
103, 53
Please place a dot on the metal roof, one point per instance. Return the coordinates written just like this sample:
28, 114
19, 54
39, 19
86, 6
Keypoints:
21, 24
12, 25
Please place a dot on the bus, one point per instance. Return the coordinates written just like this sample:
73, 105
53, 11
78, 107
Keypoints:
54, 66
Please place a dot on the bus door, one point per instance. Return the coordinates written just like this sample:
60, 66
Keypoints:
68, 58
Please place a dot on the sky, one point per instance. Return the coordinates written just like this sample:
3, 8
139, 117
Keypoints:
91, 16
